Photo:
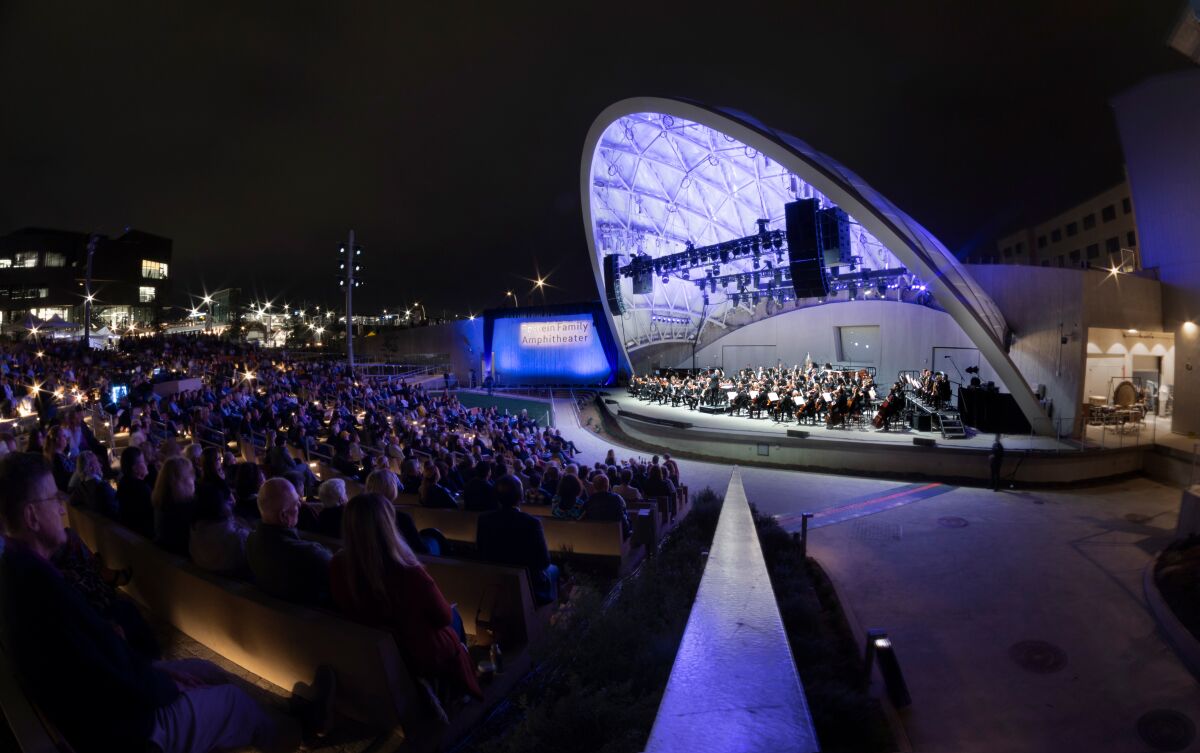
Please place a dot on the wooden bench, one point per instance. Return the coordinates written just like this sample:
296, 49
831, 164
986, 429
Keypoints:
601, 541
281, 642
495, 601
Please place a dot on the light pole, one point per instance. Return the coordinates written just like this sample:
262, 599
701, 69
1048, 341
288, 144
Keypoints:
87, 293
509, 294
208, 301
350, 265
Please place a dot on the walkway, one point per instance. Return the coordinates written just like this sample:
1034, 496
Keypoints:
1017, 617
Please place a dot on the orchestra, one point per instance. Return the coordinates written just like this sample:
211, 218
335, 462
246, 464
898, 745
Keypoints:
813, 395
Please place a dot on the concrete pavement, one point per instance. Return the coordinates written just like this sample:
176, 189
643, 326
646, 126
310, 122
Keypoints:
1018, 617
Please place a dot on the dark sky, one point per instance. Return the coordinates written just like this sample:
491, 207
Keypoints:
449, 137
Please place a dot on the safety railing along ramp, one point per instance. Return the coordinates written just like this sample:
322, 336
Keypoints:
734, 685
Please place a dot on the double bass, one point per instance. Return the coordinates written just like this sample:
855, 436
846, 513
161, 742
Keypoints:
885, 408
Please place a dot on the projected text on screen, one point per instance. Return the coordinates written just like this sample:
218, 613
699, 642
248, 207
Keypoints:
578, 332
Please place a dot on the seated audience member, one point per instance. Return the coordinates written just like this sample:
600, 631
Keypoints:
671, 469
377, 579
96, 690
410, 476
512, 537
568, 503
332, 493
479, 493
283, 564
279, 460
91, 491
212, 469
657, 484
432, 493
56, 455
174, 500
384, 484
218, 540
627, 491
136, 511
604, 505
246, 482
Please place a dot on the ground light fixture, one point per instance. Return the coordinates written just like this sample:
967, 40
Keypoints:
880, 649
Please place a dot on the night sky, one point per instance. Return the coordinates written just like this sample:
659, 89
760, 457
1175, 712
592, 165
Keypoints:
450, 137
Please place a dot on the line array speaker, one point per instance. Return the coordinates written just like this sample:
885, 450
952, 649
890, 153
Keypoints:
806, 254
612, 284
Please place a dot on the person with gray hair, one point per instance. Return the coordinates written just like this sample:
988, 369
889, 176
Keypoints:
332, 493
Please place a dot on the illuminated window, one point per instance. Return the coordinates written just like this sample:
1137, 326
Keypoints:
6, 262
25, 259
154, 270
43, 292
54, 259
145, 295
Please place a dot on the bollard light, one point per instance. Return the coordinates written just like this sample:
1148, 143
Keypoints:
879, 648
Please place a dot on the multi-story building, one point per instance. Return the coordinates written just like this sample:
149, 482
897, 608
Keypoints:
1099, 232
43, 273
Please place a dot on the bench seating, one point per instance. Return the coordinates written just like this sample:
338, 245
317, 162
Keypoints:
495, 601
590, 539
285, 643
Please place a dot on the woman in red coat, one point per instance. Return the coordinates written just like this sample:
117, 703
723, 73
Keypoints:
378, 580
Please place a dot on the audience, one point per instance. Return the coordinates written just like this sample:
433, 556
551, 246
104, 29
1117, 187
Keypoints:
512, 537
604, 505
568, 502
283, 564
134, 496
377, 579
332, 493
174, 500
99, 692
432, 493
218, 540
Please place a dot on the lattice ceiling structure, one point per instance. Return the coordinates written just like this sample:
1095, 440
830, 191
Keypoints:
660, 174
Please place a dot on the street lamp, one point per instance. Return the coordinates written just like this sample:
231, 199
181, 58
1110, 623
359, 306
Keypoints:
208, 301
509, 293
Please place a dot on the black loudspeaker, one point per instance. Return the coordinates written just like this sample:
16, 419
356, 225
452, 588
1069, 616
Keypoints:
810, 279
612, 284
924, 442
643, 281
834, 233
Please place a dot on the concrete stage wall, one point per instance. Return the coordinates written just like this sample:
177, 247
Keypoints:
943, 463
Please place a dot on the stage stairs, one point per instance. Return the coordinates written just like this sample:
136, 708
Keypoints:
951, 425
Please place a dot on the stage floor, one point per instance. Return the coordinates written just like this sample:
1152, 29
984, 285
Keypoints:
765, 427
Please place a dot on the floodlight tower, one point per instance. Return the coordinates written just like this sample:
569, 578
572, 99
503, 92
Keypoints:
350, 257
87, 292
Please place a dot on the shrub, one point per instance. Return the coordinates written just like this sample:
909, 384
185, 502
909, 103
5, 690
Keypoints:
602, 670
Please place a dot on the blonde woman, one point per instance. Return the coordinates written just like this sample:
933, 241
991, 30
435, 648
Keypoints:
174, 502
378, 580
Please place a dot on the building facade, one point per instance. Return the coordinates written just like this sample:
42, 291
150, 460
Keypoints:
43, 274
1100, 232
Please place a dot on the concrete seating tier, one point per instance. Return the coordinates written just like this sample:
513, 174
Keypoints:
285, 643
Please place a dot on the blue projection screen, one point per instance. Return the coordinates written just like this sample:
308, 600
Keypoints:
559, 349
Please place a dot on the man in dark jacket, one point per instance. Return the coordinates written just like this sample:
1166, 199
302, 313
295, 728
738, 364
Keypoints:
135, 511
480, 493
283, 564
512, 537
604, 505
100, 694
